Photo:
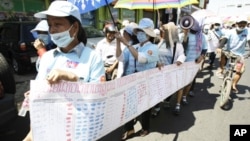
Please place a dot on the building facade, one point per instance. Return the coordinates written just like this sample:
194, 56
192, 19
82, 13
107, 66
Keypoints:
23, 10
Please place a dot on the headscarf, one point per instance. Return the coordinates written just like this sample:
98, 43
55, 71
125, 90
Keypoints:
171, 33
196, 27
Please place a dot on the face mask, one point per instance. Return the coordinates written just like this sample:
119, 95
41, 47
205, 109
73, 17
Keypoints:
141, 36
44, 37
216, 27
62, 39
130, 42
239, 29
205, 31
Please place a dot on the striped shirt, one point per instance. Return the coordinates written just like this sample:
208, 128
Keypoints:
192, 52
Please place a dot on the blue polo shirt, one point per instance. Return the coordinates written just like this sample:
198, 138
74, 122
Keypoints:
82, 61
148, 51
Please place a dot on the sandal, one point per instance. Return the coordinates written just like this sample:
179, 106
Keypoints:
235, 91
144, 133
128, 134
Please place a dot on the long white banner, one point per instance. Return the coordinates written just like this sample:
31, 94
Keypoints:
74, 111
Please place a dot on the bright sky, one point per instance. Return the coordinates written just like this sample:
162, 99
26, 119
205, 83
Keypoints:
229, 7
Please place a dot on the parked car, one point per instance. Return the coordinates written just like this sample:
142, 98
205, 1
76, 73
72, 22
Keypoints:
8, 107
16, 45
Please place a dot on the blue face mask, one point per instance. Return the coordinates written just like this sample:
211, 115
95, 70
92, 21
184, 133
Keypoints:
62, 39
44, 37
141, 36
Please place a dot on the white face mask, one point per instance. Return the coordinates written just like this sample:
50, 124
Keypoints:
44, 38
62, 39
240, 28
205, 31
141, 36
216, 27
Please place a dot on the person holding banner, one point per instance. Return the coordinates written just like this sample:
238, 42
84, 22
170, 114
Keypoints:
140, 57
131, 39
170, 52
71, 60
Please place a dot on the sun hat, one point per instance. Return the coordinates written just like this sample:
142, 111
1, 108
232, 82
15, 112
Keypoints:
146, 25
60, 9
130, 27
125, 23
41, 26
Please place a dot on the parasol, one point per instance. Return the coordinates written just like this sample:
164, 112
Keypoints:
153, 4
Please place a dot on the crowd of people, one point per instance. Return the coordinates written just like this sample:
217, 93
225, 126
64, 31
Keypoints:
131, 49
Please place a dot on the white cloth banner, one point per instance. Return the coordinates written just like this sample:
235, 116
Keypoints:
75, 111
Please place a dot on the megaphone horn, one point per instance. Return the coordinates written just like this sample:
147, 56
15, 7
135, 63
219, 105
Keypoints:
187, 22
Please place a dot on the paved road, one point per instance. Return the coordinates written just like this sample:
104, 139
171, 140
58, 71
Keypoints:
200, 120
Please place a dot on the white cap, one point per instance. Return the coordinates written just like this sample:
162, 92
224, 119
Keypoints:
60, 9
130, 27
206, 26
217, 20
241, 19
146, 25
41, 26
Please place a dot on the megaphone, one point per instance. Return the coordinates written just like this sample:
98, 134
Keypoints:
187, 22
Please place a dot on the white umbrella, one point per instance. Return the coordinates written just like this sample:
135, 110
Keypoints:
201, 15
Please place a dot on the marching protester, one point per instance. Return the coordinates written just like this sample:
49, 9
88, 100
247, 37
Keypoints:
195, 48
140, 57
131, 39
170, 52
235, 42
106, 48
43, 40
66, 32
215, 35
210, 45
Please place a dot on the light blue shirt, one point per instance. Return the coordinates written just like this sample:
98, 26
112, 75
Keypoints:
219, 33
237, 42
148, 50
192, 52
82, 61
166, 54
